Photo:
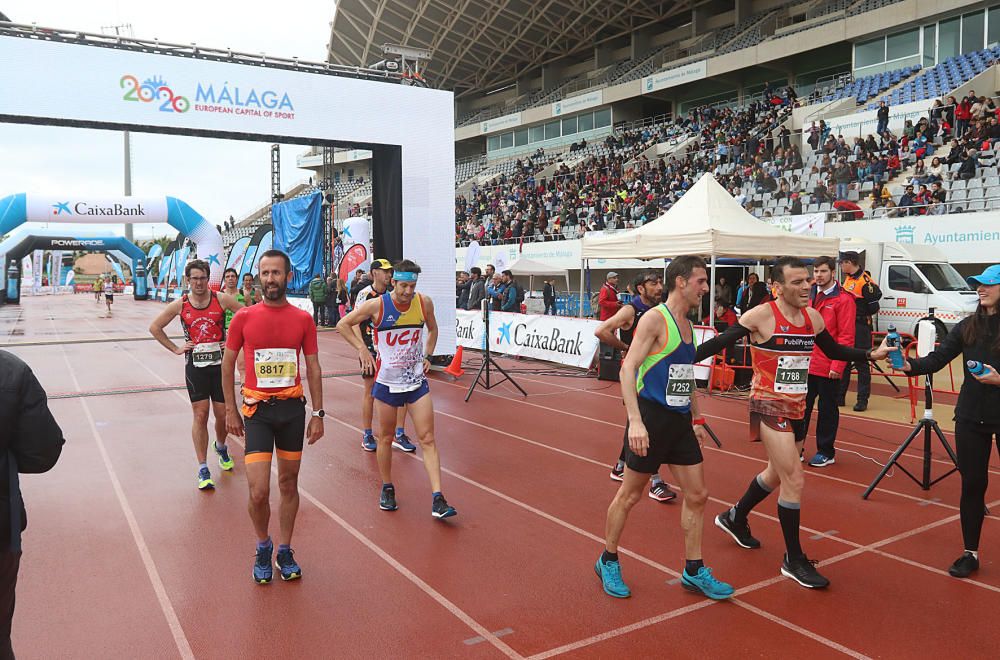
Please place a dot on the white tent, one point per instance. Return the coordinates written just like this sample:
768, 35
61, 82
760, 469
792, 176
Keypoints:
706, 221
523, 266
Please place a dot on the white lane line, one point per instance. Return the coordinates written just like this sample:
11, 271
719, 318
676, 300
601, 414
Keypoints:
176, 630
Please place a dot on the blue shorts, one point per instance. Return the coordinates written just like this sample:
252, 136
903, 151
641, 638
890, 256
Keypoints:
399, 399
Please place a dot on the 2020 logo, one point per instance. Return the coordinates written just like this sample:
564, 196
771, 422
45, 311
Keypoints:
153, 90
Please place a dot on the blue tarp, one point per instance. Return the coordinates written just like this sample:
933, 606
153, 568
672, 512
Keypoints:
298, 232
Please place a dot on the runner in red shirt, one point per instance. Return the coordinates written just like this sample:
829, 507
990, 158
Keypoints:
272, 336
782, 335
202, 313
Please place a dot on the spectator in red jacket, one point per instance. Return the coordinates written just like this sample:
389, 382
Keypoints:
838, 311
607, 301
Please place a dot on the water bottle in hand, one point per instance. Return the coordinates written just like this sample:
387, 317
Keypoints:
977, 368
896, 357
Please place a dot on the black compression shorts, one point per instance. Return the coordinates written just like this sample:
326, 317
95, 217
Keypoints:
204, 383
280, 425
671, 439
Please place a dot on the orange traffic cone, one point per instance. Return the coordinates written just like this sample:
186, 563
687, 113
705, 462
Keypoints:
455, 368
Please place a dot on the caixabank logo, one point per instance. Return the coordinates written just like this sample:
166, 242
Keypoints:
220, 98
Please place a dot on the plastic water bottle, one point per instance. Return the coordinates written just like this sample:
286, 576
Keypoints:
976, 368
896, 357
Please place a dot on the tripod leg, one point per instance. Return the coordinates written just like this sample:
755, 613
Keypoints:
477, 380
507, 376
893, 459
711, 434
947, 447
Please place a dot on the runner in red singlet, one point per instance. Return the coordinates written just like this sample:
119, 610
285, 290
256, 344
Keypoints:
782, 334
202, 313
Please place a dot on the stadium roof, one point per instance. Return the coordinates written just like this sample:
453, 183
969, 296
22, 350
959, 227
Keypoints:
480, 44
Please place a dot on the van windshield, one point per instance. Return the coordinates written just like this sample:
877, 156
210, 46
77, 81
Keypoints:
943, 277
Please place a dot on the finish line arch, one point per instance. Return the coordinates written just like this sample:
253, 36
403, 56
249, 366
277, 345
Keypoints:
118, 245
29, 207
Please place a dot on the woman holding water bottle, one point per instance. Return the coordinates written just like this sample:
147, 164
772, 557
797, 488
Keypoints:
977, 412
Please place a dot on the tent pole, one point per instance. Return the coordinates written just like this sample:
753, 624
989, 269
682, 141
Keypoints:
711, 294
579, 309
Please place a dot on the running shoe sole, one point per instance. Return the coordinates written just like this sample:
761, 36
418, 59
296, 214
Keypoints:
823, 464
206, 485
597, 569
669, 497
387, 508
733, 536
292, 576
400, 447
447, 514
788, 574
616, 477
262, 580
365, 447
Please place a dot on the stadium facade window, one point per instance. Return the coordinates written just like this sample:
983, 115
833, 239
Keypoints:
569, 126
973, 31
993, 26
904, 44
552, 130
557, 133
506, 140
930, 46
869, 53
586, 122
536, 133
602, 118
493, 143
948, 38
521, 137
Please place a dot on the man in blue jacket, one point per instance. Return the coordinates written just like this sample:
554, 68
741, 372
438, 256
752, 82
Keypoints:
30, 442
510, 290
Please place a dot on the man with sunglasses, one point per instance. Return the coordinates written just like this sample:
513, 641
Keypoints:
203, 319
649, 289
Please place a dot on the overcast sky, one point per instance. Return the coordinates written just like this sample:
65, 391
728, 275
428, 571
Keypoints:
218, 178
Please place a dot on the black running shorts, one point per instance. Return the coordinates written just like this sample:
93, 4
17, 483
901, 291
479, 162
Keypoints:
279, 425
671, 439
204, 383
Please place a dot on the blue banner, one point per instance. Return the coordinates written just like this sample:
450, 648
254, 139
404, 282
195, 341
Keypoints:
298, 232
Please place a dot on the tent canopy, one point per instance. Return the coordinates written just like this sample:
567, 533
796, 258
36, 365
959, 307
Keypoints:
524, 266
706, 221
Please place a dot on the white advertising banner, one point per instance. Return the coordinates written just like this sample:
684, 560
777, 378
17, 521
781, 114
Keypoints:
115, 88
809, 224
499, 123
577, 103
93, 210
561, 254
965, 238
357, 232
674, 77
36, 270
861, 124
559, 339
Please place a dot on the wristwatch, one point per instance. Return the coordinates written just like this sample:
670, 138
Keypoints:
319, 413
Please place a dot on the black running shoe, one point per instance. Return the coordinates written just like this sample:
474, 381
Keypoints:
964, 566
803, 570
441, 509
740, 533
617, 474
387, 500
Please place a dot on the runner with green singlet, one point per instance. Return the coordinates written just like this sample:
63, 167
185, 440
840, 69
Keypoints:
229, 279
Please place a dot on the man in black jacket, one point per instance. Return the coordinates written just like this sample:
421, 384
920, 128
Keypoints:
30, 442
883, 118
549, 297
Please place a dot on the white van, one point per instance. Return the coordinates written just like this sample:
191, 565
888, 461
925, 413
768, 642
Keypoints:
914, 278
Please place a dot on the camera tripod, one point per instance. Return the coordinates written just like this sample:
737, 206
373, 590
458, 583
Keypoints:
483, 375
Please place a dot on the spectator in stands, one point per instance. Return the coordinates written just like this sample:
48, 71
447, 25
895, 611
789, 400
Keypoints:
607, 301
842, 176
795, 207
935, 172
967, 169
882, 114
939, 197
477, 289
848, 210
814, 136
918, 172
907, 201
922, 199
963, 114
512, 296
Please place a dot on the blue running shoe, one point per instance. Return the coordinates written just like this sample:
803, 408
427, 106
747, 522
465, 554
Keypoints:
441, 509
262, 572
706, 583
821, 460
402, 441
368, 443
387, 499
286, 564
205, 479
225, 462
611, 578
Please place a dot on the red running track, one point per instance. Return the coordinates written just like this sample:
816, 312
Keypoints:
125, 558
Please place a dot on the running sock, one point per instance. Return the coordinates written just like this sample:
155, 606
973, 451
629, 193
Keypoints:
399, 431
202, 466
619, 466
220, 448
756, 493
283, 547
436, 494
609, 557
691, 566
368, 433
657, 479
263, 544
974, 553
788, 516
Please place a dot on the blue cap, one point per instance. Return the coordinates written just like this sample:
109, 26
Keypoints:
989, 277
